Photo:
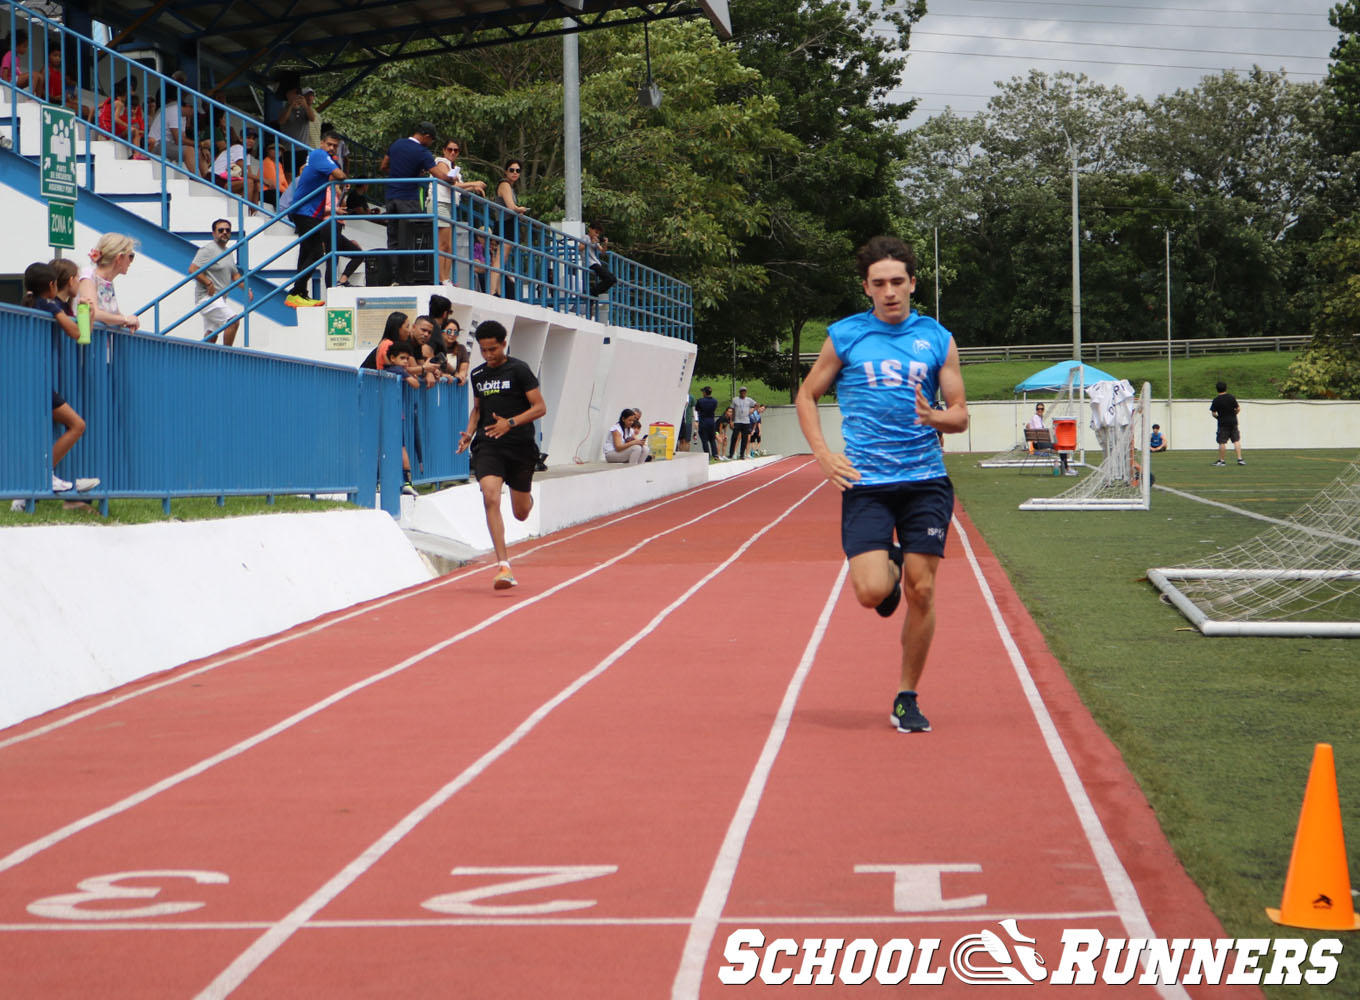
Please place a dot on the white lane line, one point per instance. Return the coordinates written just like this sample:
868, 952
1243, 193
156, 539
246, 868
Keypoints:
273, 939
689, 977
821, 919
1121, 888
26, 852
366, 608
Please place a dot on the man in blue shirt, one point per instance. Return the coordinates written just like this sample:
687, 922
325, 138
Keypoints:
1155, 440
308, 213
887, 365
408, 160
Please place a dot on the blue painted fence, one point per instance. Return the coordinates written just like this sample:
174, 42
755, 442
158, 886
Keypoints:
173, 418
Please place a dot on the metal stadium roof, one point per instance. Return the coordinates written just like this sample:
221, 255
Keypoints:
252, 39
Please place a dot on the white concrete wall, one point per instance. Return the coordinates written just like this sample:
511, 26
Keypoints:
589, 370
995, 425
456, 514
86, 608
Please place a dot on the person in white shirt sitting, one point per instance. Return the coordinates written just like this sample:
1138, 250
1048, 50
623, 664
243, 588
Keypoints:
623, 443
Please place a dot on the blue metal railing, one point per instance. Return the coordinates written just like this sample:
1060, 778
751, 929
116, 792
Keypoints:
173, 418
523, 258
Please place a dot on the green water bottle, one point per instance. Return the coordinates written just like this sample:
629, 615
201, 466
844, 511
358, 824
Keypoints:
83, 322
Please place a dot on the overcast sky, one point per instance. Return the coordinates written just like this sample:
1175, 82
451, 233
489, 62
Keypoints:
961, 48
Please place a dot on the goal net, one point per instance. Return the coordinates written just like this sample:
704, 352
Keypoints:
1300, 577
1122, 481
1067, 404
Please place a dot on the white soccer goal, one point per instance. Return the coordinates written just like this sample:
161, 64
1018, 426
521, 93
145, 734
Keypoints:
1123, 479
1067, 404
1300, 577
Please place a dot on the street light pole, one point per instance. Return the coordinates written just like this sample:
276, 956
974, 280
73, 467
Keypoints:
1076, 259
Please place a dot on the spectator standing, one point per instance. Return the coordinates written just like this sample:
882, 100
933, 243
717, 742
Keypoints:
706, 412
1225, 410
396, 329
508, 228
755, 430
308, 214
892, 476
741, 422
406, 161
449, 200
456, 354
210, 278
110, 258
297, 114
500, 431
40, 292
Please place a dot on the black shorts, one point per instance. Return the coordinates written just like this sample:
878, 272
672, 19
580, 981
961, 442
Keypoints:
57, 401
1226, 433
919, 512
512, 460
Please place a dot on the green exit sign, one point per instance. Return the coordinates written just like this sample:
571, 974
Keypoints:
61, 225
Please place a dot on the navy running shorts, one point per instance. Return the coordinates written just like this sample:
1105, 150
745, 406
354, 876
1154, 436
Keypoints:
511, 460
919, 512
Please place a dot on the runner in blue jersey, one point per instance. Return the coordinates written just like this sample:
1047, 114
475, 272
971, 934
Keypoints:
887, 365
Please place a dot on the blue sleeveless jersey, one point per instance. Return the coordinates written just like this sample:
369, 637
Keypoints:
882, 364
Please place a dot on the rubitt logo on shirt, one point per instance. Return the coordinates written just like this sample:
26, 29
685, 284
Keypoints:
921, 345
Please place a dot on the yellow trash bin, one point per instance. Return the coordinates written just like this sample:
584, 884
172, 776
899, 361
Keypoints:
661, 441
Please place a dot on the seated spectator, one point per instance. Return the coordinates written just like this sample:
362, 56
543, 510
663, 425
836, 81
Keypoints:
601, 278
205, 159
111, 257
623, 444
231, 171
15, 64
1155, 440
40, 292
273, 178
119, 119
1036, 423
167, 128
61, 89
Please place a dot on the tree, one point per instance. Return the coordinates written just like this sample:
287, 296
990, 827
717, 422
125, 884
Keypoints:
829, 65
674, 185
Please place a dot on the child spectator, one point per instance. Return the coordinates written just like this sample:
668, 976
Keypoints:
40, 292
119, 120
15, 63
402, 361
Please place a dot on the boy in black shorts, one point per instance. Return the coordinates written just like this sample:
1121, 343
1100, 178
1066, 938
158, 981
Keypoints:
500, 431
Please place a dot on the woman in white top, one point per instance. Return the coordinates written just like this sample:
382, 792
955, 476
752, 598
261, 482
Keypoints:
623, 443
448, 198
112, 256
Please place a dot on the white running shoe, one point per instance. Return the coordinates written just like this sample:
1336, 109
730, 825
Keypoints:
60, 485
84, 485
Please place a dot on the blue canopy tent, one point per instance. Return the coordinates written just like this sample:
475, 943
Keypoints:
1053, 378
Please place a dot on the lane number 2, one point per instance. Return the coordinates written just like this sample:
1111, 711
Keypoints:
467, 902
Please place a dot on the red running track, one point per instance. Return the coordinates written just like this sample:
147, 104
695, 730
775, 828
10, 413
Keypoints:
675, 729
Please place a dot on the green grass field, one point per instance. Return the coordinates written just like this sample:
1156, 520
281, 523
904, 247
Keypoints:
148, 511
1219, 732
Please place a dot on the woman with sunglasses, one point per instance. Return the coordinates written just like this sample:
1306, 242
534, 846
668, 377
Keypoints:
111, 257
448, 198
508, 226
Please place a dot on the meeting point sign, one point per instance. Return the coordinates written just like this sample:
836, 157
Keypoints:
1009, 957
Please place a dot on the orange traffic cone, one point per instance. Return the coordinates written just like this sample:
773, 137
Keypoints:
1317, 889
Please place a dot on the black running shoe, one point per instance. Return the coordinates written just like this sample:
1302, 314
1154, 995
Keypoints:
889, 604
906, 716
